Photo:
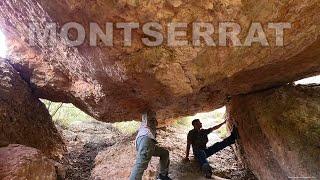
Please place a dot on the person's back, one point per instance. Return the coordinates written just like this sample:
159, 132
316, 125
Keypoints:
148, 126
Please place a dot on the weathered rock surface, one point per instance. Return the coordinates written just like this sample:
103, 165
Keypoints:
115, 83
279, 131
21, 162
23, 118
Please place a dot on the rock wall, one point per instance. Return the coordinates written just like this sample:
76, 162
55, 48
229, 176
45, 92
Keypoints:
21, 162
279, 131
24, 119
116, 83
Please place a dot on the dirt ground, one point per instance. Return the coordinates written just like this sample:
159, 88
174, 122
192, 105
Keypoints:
98, 151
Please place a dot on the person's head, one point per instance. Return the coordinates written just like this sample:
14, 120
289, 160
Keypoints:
149, 119
196, 124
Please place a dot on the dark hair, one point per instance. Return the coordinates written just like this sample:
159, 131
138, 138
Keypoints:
194, 121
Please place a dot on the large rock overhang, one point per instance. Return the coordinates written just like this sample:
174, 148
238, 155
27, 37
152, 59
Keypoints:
117, 83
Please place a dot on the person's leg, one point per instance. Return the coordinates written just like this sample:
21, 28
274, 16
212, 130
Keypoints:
221, 145
164, 159
145, 147
201, 156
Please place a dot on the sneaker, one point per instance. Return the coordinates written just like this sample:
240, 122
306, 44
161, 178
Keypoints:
162, 177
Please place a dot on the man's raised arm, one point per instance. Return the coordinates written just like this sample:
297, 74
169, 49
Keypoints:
217, 127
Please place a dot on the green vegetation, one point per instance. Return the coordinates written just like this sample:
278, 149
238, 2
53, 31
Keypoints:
128, 127
208, 119
65, 113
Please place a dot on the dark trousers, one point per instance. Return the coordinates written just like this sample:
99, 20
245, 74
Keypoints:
203, 154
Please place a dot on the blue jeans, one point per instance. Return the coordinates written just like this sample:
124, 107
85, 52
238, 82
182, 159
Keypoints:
202, 154
146, 148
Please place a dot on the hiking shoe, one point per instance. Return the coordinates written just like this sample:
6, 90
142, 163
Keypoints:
162, 177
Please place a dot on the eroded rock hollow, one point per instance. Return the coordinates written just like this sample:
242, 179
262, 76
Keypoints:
279, 131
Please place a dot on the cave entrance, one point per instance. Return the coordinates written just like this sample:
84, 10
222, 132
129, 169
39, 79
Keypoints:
225, 163
85, 137
93, 145
208, 120
66, 115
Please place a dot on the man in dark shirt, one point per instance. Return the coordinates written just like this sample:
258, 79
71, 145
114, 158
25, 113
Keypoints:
198, 138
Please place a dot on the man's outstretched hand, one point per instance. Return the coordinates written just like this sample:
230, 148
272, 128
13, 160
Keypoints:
218, 126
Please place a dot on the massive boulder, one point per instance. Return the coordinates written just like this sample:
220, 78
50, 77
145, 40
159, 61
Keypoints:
21, 162
24, 119
279, 131
116, 83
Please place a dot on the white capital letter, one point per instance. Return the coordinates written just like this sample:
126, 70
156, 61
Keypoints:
172, 34
157, 35
45, 37
206, 35
256, 27
233, 34
127, 28
81, 34
96, 31
279, 27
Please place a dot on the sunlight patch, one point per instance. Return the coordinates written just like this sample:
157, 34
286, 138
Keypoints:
208, 119
3, 46
310, 80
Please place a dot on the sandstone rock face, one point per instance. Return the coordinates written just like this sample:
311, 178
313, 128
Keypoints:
116, 83
279, 131
23, 118
21, 162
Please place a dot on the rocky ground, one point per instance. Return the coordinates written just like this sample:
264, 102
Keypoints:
84, 140
99, 151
